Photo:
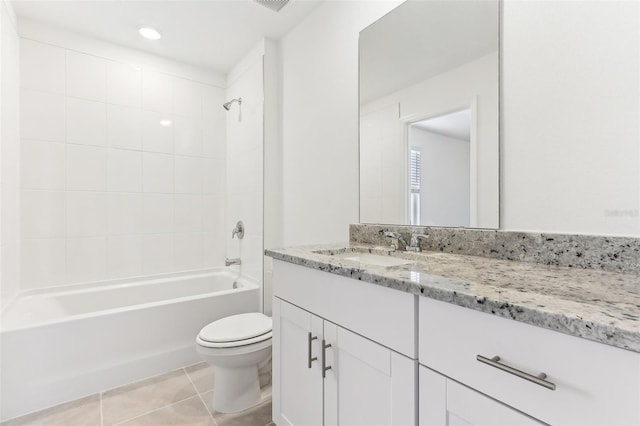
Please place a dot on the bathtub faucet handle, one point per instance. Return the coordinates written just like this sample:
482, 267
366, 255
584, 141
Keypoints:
238, 230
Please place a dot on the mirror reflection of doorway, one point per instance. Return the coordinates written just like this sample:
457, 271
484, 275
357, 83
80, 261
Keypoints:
439, 170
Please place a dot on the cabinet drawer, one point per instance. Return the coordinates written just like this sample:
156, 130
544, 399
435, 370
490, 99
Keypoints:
381, 314
594, 383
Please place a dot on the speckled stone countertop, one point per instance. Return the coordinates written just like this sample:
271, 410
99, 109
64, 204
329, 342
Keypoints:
593, 304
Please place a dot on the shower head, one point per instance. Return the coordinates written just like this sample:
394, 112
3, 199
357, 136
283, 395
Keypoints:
227, 105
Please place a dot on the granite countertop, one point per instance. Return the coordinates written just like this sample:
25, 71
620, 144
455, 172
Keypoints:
595, 305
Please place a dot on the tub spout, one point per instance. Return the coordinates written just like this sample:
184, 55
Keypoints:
229, 262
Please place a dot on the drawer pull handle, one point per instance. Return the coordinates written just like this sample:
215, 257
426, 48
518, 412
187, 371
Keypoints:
309, 340
538, 380
324, 358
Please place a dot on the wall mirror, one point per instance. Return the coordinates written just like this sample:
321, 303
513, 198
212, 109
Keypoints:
429, 115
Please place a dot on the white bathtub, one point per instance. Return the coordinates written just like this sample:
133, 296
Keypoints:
59, 345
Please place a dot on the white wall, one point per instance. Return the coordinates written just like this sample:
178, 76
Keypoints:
444, 183
9, 155
107, 191
244, 181
570, 156
320, 121
471, 85
571, 141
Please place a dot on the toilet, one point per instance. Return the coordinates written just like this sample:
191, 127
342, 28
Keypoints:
236, 346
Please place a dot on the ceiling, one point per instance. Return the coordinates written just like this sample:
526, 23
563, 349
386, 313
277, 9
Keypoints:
214, 34
421, 39
455, 125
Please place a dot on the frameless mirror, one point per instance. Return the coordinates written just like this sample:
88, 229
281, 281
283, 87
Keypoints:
429, 117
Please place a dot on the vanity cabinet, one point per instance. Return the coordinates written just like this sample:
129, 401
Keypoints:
395, 358
326, 373
444, 402
586, 383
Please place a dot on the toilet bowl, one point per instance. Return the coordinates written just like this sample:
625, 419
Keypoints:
236, 346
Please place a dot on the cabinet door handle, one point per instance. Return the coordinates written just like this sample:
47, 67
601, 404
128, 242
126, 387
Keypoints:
310, 338
324, 358
538, 380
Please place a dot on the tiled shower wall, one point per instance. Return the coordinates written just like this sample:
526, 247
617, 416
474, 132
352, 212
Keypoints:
244, 186
9, 156
122, 168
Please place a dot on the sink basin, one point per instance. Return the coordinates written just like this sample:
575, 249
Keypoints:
364, 256
374, 259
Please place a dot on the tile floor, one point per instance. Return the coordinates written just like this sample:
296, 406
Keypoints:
178, 398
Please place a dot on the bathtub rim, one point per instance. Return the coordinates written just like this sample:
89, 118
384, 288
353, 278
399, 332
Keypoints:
248, 284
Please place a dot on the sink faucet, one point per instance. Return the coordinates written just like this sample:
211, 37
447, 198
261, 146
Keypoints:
229, 262
402, 243
415, 242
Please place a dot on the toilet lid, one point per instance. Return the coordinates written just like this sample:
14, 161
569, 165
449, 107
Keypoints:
236, 328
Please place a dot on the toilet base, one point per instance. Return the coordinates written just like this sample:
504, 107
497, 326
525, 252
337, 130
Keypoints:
235, 389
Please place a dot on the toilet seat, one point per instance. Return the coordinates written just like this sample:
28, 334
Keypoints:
246, 342
236, 330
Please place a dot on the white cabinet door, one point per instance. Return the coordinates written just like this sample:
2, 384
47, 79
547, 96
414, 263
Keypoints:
446, 402
366, 383
297, 385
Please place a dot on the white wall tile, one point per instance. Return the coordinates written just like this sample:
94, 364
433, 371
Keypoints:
86, 122
86, 259
187, 136
189, 251
214, 122
10, 271
189, 176
124, 84
157, 213
42, 214
212, 100
157, 137
86, 76
213, 138
188, 213
214, 176
42, 262
214, 249
86, 214
42, 116
213, 212
125, 214
10, 211
124, 127
124, 171
42, 66
157, 172
42, 165
86, 168
157, 253
187, 97
111, 118
124, 256
157, 92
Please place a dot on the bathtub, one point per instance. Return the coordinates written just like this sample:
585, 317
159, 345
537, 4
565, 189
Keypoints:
62, 344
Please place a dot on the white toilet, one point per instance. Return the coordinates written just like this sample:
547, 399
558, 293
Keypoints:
235, 346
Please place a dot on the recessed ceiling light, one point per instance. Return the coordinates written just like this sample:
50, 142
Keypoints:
166, 123
149, 33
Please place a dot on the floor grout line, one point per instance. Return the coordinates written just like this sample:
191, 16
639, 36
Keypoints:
206, 406
151, 411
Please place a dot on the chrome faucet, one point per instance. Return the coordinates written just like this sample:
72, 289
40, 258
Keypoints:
238, 230
415, 242
229, 262
402, 243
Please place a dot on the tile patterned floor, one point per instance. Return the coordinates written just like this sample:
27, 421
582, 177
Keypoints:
178, 398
